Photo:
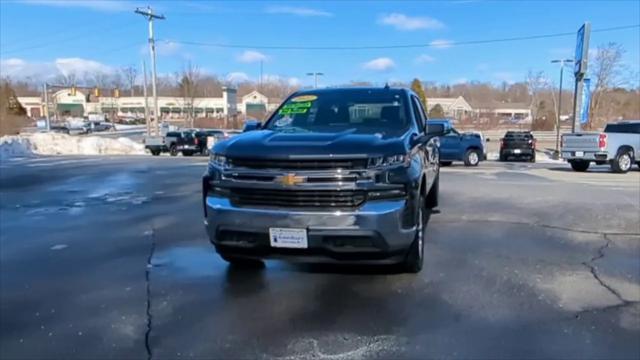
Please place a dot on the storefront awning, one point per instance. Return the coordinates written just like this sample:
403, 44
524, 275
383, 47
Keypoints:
70, 107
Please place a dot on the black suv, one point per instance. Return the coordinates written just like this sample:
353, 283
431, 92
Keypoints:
333, 175
518, 145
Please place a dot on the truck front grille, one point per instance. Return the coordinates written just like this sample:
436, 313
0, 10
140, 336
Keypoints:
330, 164
297, 198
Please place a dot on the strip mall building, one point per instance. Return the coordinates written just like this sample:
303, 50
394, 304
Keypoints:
68, 102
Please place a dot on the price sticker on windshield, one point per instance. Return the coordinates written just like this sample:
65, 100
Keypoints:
304, 98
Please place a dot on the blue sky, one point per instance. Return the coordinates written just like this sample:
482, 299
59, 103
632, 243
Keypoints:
44, 37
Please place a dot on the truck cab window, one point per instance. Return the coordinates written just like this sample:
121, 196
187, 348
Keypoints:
419, 113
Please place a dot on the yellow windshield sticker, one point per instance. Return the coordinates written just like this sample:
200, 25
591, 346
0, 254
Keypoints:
304, 98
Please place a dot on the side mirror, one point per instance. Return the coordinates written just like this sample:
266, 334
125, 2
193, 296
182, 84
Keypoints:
435, 130
420, 139
251, 125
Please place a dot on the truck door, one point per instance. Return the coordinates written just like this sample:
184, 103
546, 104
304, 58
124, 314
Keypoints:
450, 145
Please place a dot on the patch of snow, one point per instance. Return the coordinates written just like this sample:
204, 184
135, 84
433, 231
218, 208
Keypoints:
14, 146
62, 144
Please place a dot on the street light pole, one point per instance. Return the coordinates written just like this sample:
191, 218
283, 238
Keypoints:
562, 63
46, 106
315, 78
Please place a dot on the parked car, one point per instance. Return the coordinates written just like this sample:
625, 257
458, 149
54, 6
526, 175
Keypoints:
187, 143
518, 145
454, 146
62, 129
98, 126
173, 142
208, 137
336, 174
618, 146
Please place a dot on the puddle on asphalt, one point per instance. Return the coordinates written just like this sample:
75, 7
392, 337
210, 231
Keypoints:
117, 189
189, 261
77, 207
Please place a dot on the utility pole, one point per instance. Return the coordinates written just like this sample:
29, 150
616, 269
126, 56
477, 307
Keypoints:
261, 68
148, 13
146, 99
46, 106
315, 78
562, 62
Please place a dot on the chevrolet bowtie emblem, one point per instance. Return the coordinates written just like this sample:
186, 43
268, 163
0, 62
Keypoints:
291, 179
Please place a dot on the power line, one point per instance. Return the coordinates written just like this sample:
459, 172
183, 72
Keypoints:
401, 46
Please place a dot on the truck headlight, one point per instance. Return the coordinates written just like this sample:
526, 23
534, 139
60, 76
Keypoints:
387, 161
219, 160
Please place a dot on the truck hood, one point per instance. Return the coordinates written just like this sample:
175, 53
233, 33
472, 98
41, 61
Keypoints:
271, 144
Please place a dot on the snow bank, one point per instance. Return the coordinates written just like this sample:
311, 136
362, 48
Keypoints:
63, 144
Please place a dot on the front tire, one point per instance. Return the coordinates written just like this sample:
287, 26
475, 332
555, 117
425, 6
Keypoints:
622, 162
155, 152
173, 150
415, 257
471, 158
579, 165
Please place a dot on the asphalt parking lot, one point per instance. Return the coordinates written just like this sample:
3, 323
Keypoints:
106, 257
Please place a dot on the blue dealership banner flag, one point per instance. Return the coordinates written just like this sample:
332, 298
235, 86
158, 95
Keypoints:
586, 101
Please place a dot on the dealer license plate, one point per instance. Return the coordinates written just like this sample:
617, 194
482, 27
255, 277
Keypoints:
288, 238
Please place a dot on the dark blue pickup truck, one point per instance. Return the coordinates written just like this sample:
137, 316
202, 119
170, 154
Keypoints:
455, 146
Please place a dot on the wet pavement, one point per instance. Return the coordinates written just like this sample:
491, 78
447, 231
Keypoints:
106, 257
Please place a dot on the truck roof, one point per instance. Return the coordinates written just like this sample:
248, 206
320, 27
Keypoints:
627, 122
348, 89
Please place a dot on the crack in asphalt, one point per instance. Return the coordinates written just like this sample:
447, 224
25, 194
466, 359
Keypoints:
592, 268
147, 276
536, 224
594, 272
588, 264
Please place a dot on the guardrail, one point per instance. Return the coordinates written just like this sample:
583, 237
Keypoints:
540, 135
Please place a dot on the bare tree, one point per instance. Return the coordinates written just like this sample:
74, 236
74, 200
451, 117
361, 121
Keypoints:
607, 72
100, 79
189, 83
116, 80
67, 79
536, 83
130, 74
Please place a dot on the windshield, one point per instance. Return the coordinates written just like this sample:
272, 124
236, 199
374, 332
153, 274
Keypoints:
631, 128
360, 111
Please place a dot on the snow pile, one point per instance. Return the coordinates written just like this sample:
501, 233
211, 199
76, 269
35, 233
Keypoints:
63, 144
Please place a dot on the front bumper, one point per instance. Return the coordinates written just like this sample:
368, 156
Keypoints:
372, 233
